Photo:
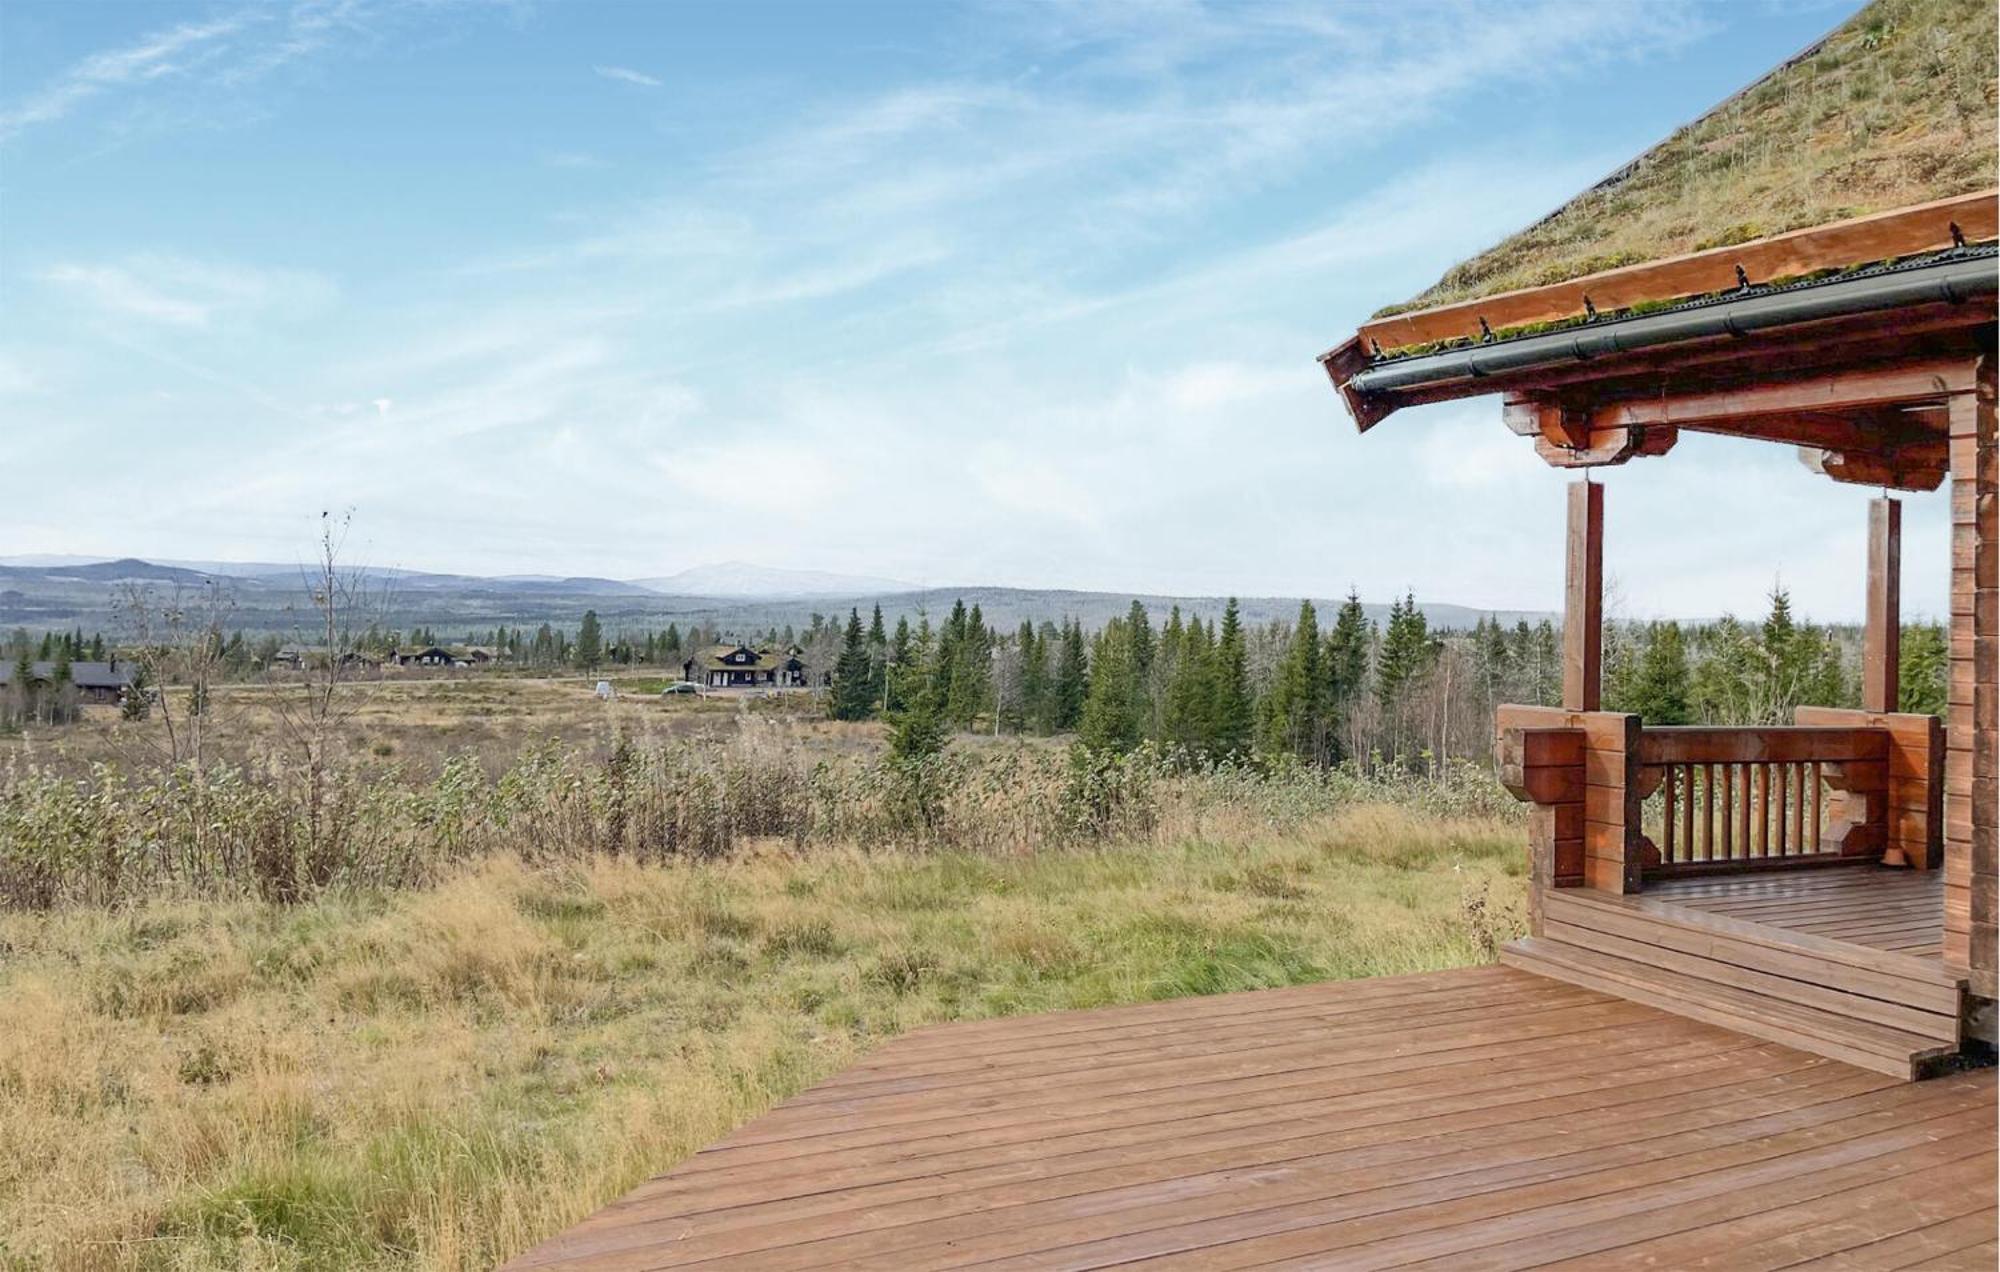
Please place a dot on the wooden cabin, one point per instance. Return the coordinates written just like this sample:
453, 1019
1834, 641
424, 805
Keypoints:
1829, 883
1745, 941
742, 667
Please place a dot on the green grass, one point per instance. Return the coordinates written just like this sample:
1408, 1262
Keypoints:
437, 1078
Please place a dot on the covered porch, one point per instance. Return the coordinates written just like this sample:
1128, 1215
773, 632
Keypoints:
1826, 881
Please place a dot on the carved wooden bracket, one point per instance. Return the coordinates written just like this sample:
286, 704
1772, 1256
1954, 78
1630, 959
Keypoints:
1916, 467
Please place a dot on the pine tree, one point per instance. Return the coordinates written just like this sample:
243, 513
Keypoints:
1072, 678
589, 651
853, 685
1230, 708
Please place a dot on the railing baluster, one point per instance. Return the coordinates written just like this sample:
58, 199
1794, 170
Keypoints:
1667, 813
1817, 778
1799, 813
1728, 812
1687, 815
1708, 812
1783, 811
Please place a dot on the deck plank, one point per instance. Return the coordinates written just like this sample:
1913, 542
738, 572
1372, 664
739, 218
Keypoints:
1485, 1117
1895, 910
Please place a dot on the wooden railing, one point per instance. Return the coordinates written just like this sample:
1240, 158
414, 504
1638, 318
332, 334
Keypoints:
1614, 802
1722, 799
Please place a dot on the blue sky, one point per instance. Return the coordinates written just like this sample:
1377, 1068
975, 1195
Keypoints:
1015, 293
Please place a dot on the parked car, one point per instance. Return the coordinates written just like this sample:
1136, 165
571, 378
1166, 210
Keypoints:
680, 687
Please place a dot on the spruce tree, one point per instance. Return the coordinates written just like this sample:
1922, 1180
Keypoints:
1291, 716
946, 673
1230, 708
1190, 693
853, 683
1072, 678
918, 733
1660, 690
589, 650
898, 678
1546, 658
878, 657
1925, 660
972, 672
1346, 666
1110, 711
1034, 688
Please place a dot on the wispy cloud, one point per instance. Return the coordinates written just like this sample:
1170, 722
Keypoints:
178, 291
163, 54
626, 75
209, 60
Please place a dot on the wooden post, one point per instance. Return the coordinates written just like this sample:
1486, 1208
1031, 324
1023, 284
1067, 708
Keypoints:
1972, 731
1882, 638
1583, 600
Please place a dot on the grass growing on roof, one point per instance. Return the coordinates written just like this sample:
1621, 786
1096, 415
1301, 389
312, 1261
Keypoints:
1896, 107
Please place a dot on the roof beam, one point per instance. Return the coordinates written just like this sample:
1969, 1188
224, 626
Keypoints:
1892, 385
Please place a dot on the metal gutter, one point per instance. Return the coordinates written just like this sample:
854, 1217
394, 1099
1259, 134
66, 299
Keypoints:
1964, 275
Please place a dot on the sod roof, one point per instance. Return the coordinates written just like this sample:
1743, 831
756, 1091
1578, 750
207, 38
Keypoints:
1894, 107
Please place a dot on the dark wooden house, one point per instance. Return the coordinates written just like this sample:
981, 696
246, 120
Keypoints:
742, 667
100, 682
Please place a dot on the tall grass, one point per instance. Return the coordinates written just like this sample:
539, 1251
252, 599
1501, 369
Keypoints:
377, 1077
114, 835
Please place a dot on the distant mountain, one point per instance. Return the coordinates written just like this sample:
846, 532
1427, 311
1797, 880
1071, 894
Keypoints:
734, 598
128, 570
736, 579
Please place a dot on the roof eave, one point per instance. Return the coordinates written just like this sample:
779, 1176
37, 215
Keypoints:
1884, 236
1383, 388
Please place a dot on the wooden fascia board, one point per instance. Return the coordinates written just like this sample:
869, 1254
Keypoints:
1839, 245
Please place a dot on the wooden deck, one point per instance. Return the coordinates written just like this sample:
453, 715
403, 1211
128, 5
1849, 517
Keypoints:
1486, 1118
1899, 910
1842, 961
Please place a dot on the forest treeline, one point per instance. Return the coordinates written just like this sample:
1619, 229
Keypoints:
1348, 689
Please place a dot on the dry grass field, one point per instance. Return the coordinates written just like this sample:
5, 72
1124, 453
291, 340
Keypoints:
195, 1074
413, 721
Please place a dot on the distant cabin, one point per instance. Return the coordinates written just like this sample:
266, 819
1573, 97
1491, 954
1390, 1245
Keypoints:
299, 657
430, 656
740, 666
94, 681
